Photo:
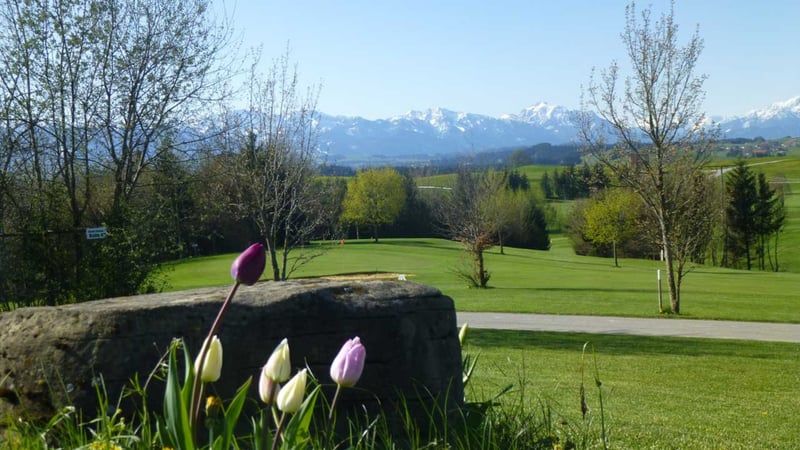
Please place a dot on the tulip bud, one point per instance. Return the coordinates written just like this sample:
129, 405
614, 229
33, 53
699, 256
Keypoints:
349, 363
268, 389
279, 366
291, 396
462, 334
249, 265
212, 367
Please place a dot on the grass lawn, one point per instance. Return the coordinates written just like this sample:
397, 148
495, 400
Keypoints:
659, 393
555, 281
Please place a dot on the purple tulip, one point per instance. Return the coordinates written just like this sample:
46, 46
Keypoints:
248, 267
349, 363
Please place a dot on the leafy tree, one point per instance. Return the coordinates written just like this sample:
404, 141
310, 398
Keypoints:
652, 135
611, 219
172, 206
572, 183
529, 229
519, 220
374, 197
503, 206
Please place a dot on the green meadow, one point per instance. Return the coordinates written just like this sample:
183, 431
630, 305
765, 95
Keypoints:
659, 393
555, 281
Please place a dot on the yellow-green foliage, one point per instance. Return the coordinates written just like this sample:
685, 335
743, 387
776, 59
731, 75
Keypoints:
611, 217
374, 197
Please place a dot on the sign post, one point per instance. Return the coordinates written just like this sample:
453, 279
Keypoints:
96, 233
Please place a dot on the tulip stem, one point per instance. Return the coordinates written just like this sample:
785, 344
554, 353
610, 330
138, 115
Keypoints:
278, 432
194, 409
333, 403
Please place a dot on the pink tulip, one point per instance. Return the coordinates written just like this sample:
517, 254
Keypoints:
349, 363
248, 267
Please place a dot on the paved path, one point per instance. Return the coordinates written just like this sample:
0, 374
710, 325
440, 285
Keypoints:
719, 329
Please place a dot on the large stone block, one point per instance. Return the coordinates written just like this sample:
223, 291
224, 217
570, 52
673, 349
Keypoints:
54, 356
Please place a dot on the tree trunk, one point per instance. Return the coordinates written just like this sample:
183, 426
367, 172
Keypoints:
273, 259
672, 284
481, 273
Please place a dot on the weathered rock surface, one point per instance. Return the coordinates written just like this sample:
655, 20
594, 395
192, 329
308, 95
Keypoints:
54, 356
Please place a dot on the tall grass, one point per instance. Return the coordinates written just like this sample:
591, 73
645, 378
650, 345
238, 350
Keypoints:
511, 418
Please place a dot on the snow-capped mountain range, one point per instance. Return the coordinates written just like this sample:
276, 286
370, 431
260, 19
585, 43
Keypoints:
778, 120
440, 131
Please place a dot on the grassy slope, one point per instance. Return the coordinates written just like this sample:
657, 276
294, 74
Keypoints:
555, 281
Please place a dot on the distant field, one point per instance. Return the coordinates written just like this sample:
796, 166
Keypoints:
555, 281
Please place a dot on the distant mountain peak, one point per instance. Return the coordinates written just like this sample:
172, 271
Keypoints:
437, 131
777, 120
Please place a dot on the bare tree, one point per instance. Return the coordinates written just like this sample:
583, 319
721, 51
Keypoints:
467, 215
652, 134
275, 169
160, 64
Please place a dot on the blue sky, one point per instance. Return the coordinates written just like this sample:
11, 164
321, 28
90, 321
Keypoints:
379, 59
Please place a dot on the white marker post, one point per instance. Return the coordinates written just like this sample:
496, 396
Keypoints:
660, 304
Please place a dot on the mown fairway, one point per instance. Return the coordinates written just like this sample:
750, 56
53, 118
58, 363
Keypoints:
555, 281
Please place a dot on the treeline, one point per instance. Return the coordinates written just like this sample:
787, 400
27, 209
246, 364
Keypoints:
734, 224
388, 203
97, 104
571, 183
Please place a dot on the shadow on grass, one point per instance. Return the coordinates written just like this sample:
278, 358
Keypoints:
613, 344
439, 244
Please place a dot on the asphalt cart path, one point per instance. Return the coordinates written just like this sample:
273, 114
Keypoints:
716, 329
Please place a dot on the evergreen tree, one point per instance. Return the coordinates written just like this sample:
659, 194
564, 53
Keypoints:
546, 185
769, 218
741, 215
